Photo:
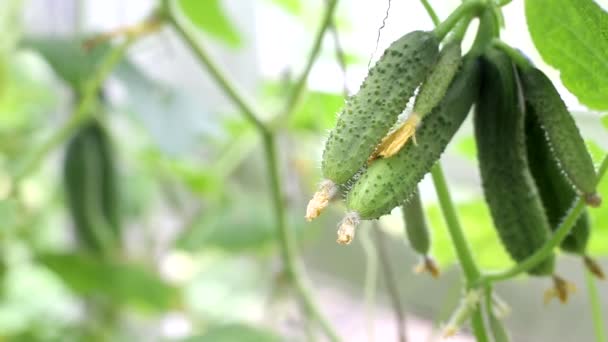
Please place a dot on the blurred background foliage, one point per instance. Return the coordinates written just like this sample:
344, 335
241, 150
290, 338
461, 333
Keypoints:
198, 259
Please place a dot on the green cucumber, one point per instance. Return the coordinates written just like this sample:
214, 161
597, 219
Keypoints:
508, 186
388, 183
562, 134
91, 190
418, 233
555, 191
436, 84
368, 115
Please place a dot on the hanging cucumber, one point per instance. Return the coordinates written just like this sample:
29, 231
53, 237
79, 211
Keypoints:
418, 233
388, 183
430, 94
566, 143
368, 115
555, 191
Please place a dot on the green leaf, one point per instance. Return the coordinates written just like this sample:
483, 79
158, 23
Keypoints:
292, 6
605, 122
466, 147
572, 36
120, 282
479, 230
235, 332
209, 16
68, 58
243, 224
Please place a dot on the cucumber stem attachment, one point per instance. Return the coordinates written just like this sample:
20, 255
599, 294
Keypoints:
464, 9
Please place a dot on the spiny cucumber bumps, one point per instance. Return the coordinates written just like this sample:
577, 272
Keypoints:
556, 193
418, 233
509, 189
388, 183
90, 183
429, 95
368, 115
564, 137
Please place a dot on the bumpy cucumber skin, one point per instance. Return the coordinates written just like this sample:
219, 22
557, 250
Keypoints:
436, 84
389, 182
555, 190
416, 228
509, 189
90, 183
368, 115
564, 137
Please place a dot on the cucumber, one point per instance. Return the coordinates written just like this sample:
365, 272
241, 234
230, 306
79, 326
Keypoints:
89, 178
556, 192
418, 233
562, 134
508, 187
368, 115
389, 182
430, 94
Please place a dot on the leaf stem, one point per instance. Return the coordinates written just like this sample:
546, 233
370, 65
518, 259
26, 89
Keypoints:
596, 308
463, 251
517, 57
371, 278
558, 236
431, 12
287, 239
295, 96
463, 10
391, 283
227, 86
84, 109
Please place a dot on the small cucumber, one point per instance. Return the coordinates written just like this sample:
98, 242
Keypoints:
509, 189
368, 115
389, 182
418, 233
89, 178
564, 137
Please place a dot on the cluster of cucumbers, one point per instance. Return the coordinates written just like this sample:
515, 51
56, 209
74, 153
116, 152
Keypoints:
532, 158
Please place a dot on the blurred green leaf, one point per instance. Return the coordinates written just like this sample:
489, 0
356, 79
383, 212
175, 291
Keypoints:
572, 36
466, 147
57, 51
121, 282
317, 112
242, 224
292, 6
479, 230
209, 16
598, 244
235, 333
605, 121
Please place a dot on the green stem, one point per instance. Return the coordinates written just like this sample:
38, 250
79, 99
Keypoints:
213, 69
463, 251
464, 9
298, 90
596, 308
515, 54
479, 329
84, 110
371, 276
430, 11
556, 239
287, 240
